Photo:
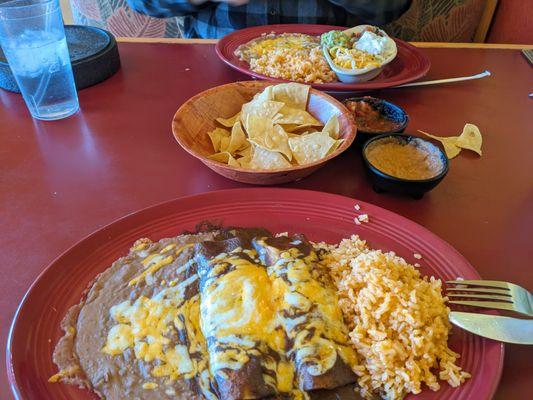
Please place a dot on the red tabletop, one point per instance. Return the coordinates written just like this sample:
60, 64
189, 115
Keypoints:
60, 181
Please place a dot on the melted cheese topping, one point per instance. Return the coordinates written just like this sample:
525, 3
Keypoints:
154, 262
146, 325
150, 385
245, 310
239, 310
309, 312
259, 47
240, 304
64, 373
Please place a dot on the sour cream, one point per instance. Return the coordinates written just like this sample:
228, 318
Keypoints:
371, 43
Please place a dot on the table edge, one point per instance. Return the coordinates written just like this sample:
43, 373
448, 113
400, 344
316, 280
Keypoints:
445, 45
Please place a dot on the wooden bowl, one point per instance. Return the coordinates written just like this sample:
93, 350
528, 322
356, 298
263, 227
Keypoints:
197, 116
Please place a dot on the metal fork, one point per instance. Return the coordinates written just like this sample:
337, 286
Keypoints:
528, 53
491, 294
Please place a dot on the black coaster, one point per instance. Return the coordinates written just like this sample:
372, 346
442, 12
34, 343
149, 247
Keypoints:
93, 54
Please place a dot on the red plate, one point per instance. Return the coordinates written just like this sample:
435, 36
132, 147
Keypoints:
410, 63
321, 216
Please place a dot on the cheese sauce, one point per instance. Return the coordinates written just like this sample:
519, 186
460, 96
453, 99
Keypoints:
148, 324
240, 320
310, 313
283, 316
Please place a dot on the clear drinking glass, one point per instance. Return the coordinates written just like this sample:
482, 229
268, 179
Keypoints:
33, 40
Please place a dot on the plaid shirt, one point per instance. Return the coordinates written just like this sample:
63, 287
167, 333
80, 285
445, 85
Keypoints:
216, 19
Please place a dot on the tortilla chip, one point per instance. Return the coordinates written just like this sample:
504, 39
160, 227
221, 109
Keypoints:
233, 162
335, 146
267, 109
289, 115
224, 143
246, 155
450, 147
244, 162
265, 95
470, 139
279, 141
216, 136
246, 151
225, 158
237, 139
258, 128
449, 143
290, 127
289, 134
298, 129
332, 127
229, 122
215, 140
294, 95
265, 159
270, 137
260, 132
310, 148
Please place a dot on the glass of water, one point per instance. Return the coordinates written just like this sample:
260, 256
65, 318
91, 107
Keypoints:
33, 40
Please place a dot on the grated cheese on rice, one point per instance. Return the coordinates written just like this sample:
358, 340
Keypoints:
292, 56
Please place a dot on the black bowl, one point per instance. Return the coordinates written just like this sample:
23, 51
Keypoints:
386, 109
93, 54
383, 182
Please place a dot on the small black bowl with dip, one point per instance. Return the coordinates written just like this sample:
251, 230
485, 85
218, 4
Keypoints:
404, 164
375, 116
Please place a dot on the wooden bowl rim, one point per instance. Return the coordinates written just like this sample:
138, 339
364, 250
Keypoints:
348, 138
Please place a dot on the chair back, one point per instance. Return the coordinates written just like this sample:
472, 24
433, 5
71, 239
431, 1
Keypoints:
117, 17
444, 21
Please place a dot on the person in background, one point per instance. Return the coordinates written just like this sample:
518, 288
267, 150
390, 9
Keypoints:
214, 19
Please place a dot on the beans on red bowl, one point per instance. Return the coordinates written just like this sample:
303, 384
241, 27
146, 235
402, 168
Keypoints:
375, 116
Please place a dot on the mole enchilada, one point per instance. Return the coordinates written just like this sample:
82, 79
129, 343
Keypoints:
233, 314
